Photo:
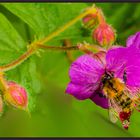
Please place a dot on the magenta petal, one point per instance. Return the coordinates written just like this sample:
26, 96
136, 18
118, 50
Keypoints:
100, 101
116, 60
130, 40
133, 64
133, 74
86, 70
125, 59
85, 74
133, 67
134, 40
81, 92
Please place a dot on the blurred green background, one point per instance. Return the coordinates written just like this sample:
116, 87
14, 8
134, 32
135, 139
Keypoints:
45, 76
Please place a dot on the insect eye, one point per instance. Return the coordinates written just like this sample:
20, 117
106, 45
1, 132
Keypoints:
108, 77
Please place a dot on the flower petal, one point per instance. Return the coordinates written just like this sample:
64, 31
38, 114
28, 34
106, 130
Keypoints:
86, 70
100, 101
85, 74
130, 40
81, 92
133, 65
133, 75
125, 59
116, 59
134, 40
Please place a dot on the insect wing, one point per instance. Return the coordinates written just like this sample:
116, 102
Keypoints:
137, 104
132, 92
112, 113
134, 95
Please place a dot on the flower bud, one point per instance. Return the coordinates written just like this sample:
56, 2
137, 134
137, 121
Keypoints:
16, 96
104, 35
90, 21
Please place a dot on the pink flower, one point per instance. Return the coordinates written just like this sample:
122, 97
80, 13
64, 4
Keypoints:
87, 71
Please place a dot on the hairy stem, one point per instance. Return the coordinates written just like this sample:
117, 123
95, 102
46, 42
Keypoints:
3, 83
100, 16
63, 48
30, 51
68, 43
18, 61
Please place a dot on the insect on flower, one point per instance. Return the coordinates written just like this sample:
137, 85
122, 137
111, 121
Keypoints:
121, 100
112, 83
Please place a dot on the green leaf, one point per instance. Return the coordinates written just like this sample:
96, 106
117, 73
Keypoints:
60, 114
12, 46
11, 43
44, 18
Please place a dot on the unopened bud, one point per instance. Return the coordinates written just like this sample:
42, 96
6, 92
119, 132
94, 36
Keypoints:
16, 96
90, 21
104, 35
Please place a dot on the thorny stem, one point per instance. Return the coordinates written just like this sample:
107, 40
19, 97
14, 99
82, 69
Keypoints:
33, 47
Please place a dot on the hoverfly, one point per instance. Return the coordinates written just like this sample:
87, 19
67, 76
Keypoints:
121, 101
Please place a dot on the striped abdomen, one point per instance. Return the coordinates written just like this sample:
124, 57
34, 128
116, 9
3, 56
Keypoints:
123, 101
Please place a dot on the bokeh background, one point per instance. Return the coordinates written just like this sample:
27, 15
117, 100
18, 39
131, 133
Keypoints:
45, 74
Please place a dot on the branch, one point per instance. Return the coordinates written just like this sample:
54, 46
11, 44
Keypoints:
67, 43
63, 48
